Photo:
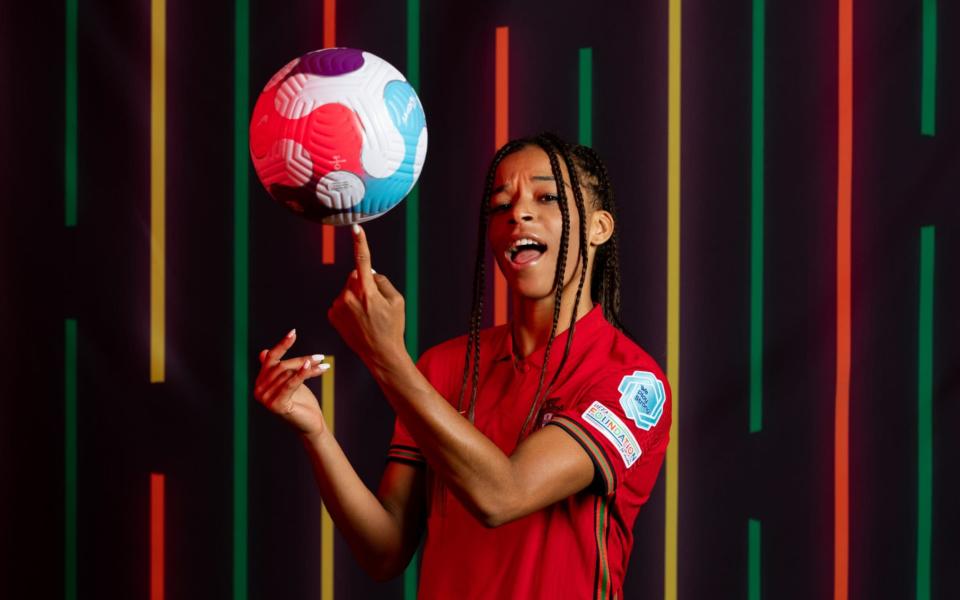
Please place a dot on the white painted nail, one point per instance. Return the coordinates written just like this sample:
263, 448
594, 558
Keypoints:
323, 366
374, 271
318, 357
356, 229
306, 365
292, 333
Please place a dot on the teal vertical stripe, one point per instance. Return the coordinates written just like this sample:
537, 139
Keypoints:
756, 217
925, 414
412, 287
241, 231
70, 459
928, 93
585, 97
753, 559
70, 118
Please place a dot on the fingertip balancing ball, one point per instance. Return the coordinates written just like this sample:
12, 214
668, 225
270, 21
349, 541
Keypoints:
338, 136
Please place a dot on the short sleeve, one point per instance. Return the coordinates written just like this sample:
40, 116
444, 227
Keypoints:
403, 448
435, 366
622, 421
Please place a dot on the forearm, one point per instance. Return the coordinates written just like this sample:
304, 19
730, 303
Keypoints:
468, 462
374, 534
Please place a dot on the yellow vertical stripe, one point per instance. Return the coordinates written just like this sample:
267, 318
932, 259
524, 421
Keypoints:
326, 523
673, 297
158, 167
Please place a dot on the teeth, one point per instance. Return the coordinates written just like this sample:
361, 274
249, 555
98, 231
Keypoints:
521, 242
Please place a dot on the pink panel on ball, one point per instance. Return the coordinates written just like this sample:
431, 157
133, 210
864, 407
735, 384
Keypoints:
332, 137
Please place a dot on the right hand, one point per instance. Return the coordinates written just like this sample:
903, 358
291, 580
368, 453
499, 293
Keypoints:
280, 388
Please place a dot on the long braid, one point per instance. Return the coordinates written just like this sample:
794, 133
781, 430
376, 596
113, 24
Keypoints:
547, 145
581, 213
480, 268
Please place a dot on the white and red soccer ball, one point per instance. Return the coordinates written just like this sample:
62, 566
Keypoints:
338, 136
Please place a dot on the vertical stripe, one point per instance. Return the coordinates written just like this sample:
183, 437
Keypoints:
500, 137
753, 559
673, 296
70, 459
328, 232
602, 582
70, 118
327, 405
158, 116
842, 406
756, 217
241, 251
412, 287
156, 535
585, 97
928, 93
925, 413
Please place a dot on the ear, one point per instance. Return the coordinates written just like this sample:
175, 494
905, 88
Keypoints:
601, 227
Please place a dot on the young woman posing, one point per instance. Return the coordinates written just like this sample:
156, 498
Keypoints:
526, 463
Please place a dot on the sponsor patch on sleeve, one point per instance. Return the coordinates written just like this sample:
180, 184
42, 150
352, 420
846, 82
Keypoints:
642, 397
609, 424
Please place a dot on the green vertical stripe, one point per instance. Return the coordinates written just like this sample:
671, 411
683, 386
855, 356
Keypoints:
928, 93
756, 219
925, 414
753, 559
412, 287
70, 118
585, 96
241, 232
70, 459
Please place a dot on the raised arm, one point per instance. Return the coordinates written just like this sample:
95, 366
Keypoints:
382, 530
496, 488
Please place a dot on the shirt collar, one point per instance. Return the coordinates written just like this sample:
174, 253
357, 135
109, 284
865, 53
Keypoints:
584, 329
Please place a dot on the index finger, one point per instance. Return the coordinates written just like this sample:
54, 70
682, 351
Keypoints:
277, 352
361, 252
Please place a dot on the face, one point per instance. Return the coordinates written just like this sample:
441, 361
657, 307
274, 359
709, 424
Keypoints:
526, 224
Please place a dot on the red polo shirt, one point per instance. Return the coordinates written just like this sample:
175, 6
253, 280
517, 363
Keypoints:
611, 398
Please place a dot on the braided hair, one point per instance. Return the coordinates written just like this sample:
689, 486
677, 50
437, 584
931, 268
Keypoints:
585, 170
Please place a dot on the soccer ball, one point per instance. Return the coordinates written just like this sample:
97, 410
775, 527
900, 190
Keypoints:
338, 136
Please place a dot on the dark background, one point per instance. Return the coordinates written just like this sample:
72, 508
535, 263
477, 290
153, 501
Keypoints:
98, 273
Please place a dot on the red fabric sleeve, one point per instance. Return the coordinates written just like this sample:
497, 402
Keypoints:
622, 422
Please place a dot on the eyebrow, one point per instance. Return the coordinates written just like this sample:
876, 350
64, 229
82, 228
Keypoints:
500, 188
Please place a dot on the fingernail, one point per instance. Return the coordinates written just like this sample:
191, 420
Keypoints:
374, 271
323, 366
292, 333
356, 229
306, 364
318, 357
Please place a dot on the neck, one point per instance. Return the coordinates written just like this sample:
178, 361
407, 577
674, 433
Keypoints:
533, 317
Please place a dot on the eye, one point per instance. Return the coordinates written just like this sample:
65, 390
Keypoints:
549, 198
498, 207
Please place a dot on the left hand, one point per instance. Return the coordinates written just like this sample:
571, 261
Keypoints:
369, 312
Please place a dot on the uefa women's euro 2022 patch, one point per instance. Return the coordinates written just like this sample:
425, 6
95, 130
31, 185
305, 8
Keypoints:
609, 424
642, 397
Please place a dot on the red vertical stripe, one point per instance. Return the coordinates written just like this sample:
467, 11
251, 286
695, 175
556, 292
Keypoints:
500, 137
156, 536
329, 41
842, 411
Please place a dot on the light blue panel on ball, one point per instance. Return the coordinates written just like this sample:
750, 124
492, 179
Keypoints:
406, 113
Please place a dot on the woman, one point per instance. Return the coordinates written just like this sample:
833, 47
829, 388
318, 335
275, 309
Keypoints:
529, 461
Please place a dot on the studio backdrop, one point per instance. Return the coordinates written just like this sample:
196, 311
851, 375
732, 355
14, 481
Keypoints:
788, 180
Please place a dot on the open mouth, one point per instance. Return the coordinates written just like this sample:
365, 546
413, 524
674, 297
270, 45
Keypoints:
525, 251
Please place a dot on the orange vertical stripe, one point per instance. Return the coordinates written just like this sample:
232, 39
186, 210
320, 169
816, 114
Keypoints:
329, 41
500, 137
156, 536
842, 411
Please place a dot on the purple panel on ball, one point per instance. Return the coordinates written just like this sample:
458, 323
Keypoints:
330, 61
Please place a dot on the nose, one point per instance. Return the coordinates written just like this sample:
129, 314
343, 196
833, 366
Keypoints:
523, 210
